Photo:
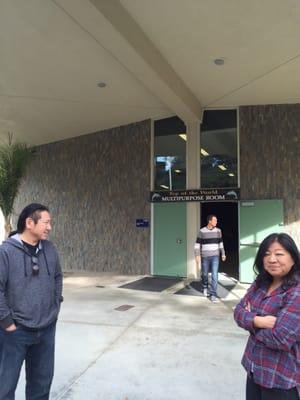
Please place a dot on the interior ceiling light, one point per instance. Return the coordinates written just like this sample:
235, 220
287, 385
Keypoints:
101, 84
219, 61
164, 186
204, 152
183, 136
230, 174
178, 171
222, 167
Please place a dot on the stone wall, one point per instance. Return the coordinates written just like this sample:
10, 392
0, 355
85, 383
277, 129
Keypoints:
96, 186
270, 158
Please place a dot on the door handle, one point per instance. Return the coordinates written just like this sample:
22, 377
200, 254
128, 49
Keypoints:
178, 241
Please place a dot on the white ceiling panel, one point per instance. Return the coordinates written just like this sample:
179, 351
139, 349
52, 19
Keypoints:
254, 38
156, 58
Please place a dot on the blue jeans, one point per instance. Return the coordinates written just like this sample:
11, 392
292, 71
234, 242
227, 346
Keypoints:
36, 347
210, 264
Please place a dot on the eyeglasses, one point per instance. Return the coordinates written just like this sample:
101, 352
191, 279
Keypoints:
35, 266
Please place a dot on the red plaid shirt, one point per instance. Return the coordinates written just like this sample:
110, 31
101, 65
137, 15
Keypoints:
272, 355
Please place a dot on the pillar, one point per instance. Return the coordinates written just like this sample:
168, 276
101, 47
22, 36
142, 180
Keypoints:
193, 182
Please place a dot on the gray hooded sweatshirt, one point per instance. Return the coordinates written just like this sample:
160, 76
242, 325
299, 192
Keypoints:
32, 301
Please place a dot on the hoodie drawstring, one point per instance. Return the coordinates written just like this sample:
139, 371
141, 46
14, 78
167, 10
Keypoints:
47, 266
24, 262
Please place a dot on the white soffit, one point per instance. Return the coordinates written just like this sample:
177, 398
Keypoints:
258, 39
115, 29
156, 57
50, 67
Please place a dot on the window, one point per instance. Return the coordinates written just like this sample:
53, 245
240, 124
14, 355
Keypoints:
218, 140
169, 154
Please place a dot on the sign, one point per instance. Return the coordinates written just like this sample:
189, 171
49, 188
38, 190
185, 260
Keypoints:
142, 223
202, 195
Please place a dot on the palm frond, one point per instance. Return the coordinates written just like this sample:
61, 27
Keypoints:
14, 159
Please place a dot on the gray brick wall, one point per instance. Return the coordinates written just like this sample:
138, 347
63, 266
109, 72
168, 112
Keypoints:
96, 186
269, 159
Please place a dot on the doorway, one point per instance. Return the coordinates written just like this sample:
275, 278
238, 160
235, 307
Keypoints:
228, 222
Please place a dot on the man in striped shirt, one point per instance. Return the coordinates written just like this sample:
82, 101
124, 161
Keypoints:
208, 248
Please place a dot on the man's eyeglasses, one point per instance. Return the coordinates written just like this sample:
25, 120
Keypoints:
35, 266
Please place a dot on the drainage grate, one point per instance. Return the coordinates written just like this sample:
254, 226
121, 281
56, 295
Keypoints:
124, 307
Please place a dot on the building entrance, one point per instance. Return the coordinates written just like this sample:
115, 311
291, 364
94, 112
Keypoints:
228, 222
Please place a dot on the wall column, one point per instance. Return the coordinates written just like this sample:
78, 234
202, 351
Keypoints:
193, 182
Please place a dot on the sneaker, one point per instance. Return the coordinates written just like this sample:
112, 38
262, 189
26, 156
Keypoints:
214, 299
205, 292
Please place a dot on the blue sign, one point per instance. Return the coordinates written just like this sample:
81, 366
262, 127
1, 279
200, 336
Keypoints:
142, 223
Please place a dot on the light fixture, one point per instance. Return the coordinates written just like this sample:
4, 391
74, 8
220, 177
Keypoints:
183, 136
219, 61
164, 186
222, 167
178, 171
230, 174
204, 152
101, 84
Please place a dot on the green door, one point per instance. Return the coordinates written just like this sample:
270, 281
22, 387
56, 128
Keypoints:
169, 239
258, 218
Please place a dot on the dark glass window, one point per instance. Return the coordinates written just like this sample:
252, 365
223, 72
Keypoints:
169, 154
218, 142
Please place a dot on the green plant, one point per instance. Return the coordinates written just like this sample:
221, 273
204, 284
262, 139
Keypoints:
14, 158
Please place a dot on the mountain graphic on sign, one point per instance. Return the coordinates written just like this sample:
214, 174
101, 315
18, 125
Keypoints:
156, 196
232, 194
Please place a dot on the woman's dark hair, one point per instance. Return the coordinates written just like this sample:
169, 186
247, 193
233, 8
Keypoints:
33, 211
263, 277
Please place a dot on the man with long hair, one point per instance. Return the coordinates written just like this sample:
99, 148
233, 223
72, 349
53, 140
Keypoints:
30, 298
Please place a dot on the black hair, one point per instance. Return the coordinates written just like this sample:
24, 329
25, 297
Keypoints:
263, 278
33, 211
210, 217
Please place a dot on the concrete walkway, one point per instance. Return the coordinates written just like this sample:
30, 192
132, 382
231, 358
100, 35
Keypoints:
165, 347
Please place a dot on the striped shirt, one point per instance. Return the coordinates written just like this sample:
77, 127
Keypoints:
209, 242
272, 355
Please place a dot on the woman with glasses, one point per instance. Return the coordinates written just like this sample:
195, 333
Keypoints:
270, 312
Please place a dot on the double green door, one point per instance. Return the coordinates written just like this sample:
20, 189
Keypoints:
257, 219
